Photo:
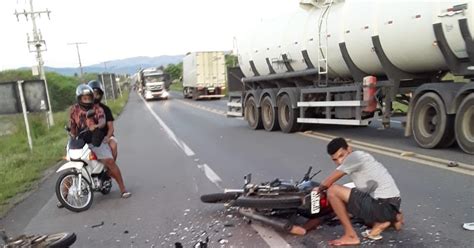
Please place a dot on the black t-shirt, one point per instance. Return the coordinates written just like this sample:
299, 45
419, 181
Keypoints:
108, 117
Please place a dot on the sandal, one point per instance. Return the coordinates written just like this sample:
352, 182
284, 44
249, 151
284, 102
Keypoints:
126, 195
366, 234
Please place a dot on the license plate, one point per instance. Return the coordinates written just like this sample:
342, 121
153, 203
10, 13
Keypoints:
315, 207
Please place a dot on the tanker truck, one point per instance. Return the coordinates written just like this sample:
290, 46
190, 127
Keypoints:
344, 62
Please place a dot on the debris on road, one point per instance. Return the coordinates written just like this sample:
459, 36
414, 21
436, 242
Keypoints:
453, 164
223, 241
98, 225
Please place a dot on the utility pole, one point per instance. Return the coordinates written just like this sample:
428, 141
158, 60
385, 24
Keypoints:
79, 54
39, 46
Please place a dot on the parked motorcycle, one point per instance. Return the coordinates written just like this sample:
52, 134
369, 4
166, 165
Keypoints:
275, 203
56, 240
82, 175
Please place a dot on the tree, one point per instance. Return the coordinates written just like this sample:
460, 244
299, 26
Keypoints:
175, 71
231, 60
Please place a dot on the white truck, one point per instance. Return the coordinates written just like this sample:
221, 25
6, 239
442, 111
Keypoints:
204, 75
154, 83
344, 62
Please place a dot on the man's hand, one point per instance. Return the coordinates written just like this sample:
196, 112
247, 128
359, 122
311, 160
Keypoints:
106, 140
320, 189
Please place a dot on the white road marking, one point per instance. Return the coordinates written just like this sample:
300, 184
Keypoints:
211, 175
168, 131
396, 153
272, 238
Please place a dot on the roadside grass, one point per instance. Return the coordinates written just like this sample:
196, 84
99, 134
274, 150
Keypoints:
399, 107
177, 86
19, 168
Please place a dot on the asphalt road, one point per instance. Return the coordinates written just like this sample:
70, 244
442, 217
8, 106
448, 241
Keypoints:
173, 151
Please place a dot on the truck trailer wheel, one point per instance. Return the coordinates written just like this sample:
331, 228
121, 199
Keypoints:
269, 115
287, 116
252, 114
464, 125
431, 126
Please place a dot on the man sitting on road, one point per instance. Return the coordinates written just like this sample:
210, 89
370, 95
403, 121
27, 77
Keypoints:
375, 199
108, 129
78, 122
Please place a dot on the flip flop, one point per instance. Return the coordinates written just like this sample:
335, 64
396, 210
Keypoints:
342, 244
126, 195
366, 234
469, 226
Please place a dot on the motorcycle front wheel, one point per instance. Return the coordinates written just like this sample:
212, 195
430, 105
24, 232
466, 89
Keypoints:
57, 240
277, 202
219, 197
69, 194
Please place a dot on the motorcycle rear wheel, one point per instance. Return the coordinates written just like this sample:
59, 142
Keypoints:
219, 197
280, 202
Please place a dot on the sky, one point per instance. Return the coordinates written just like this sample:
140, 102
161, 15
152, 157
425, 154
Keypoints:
116, 29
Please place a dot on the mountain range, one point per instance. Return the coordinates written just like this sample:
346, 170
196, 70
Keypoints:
121, 66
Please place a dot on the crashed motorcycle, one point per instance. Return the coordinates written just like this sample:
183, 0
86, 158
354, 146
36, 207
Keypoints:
56, 240
277, 202
82, 175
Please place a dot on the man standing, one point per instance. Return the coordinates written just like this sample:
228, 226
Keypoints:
375, 199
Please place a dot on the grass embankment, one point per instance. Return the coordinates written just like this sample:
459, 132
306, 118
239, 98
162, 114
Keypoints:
177, 86
20, 168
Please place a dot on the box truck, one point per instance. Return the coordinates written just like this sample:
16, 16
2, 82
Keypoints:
204, 75
340, 62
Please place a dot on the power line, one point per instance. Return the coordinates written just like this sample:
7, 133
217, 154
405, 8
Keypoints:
38, 45
78, 54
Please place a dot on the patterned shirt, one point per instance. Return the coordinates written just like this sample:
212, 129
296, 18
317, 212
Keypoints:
78, 120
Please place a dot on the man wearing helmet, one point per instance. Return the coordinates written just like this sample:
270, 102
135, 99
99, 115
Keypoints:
79, 121
108, 129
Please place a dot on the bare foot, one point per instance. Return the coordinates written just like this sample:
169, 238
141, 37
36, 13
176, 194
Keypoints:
312, 224
297, 230
345, 241
399, 222
378, 228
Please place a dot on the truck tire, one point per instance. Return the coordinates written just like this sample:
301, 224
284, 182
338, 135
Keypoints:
252, 114
269, 115
464, 124
432, 127
219, 197
281, 202
287, 116
185, 93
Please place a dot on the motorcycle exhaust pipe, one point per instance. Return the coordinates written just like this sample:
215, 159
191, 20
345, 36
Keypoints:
284, 225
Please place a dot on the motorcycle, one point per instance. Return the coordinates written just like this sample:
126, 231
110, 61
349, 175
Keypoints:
82, 175
57, 240
277, 202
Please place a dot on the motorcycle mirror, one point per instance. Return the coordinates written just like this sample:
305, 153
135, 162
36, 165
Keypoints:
248, 178
90, 113
315, 174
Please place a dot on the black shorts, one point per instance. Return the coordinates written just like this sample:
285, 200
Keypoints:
363, 206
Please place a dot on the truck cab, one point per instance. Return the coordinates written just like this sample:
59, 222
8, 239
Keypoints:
155, 84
